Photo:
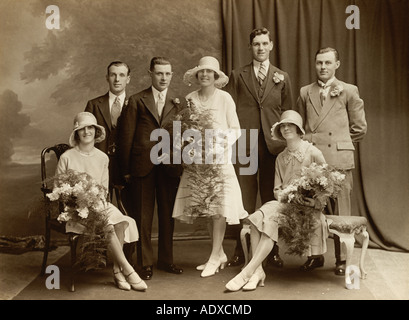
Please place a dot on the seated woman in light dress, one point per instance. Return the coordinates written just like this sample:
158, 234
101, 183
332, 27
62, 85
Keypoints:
264, 223
84, 157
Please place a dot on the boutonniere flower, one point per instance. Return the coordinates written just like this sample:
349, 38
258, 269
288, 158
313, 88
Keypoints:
277, 77
176, 101
126, 102
336, 91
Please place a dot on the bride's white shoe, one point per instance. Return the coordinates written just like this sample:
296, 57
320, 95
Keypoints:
212, 267
223, 262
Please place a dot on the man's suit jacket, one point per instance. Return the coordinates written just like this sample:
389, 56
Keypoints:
139, 119
334, 128
256, 113
99, 107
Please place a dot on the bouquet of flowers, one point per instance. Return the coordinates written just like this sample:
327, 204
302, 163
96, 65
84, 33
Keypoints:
297, 221
83, 201
205, 180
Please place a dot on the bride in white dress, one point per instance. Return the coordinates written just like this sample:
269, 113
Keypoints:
222, 108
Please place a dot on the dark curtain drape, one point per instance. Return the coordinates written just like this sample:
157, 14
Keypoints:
373, 57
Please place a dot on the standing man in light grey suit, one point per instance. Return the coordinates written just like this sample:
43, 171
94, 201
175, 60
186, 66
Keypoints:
334, 120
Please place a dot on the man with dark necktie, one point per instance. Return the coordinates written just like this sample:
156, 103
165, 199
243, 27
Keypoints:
107, 110
261, 92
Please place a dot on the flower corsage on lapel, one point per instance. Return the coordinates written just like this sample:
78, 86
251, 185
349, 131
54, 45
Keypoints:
176, 103
336, 91
278, 77
126, 102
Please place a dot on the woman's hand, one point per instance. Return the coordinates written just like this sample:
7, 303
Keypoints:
305, 201
309, 202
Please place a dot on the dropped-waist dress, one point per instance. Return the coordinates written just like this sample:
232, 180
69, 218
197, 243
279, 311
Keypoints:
223, 110
96, 165
288, 166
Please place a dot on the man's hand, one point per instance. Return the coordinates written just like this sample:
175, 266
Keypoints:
127, 178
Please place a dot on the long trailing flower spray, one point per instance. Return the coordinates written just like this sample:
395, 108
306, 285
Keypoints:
83, 201
206, 180
297, 222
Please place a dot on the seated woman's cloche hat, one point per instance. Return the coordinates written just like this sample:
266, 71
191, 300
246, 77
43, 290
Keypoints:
288, 116
85, 119
209, 63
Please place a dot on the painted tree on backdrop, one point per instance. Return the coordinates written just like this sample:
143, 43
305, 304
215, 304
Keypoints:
12, 123
91, 34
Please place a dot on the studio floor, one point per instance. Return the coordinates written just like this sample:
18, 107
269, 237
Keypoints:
388, 278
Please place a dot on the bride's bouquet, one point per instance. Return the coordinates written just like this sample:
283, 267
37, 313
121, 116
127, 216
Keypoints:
205, 177
297, 220
83, 201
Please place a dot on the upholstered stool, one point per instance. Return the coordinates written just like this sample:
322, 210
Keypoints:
346, 228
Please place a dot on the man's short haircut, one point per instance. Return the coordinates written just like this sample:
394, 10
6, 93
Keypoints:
118, 64
259, 31
158, 60
328, 49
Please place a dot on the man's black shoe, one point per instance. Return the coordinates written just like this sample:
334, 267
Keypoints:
171, 268
275, 261
313, 263
146, 273
340, 267
236, 261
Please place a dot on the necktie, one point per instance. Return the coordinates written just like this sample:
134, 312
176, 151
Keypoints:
115, 111
261, 74
322, 98
160, 103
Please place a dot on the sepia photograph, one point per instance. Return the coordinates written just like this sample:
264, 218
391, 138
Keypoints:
204, 155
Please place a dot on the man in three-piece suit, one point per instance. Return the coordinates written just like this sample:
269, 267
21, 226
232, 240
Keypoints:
148, 110
334, 119
107, 110
261, 92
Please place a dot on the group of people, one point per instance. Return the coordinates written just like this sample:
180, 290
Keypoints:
111, 141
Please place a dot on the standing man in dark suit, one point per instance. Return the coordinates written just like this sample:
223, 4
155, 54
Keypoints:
334, 120
148, 110
107, 109
261, 92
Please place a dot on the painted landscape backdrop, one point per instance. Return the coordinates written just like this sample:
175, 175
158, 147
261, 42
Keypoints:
49, 75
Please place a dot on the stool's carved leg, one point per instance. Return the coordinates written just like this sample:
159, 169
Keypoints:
365, 241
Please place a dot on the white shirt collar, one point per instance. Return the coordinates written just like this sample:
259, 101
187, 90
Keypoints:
112, 98
256, 65
156, 92
327, 84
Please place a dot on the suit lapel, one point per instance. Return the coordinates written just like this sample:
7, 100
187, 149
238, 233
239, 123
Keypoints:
168, 105
314, 94
328, 103
103, 107
149, 102
270, 83
248, 81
